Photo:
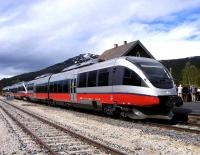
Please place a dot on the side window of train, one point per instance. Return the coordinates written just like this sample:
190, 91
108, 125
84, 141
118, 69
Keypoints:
65, 86
131, 78
37, 89
45, 87
51, 87
59, 86
117, 75
103, 77
55, 87
82, 78
40, 88
92, 79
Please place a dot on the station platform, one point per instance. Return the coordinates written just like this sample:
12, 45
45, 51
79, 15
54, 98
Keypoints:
192, 108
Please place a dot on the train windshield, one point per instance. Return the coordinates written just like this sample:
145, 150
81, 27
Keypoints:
157, 74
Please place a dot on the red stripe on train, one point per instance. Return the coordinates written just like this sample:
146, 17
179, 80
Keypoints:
60, 97
41, 95
122, 99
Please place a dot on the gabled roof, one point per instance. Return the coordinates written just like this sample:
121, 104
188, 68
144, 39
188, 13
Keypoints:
123, 50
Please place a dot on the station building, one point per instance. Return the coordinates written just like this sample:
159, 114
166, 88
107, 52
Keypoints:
135, 48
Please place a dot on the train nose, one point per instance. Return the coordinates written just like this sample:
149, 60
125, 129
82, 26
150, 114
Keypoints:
170, 101
179, 101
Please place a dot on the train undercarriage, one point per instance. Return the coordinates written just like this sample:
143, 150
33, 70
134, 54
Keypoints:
161, 111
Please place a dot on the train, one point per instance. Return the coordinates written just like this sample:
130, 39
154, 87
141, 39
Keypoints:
134, 87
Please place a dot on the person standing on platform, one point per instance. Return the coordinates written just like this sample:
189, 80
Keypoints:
185, 92
180, 89
192, 91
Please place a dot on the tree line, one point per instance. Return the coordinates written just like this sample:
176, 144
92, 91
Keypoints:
190, 75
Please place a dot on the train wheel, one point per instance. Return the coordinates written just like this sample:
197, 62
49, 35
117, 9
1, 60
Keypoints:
108, 110
51, 103
180, 117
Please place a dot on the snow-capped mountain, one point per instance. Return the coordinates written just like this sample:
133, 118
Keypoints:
52, 69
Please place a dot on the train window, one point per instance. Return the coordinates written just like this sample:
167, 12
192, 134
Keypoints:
37, 88
20, 89
92, 79
131, 78
51, 87
30, 87
40, 89
65, 86
45, 87
55, 87
74, 86
59, 86
103, 77
82, 79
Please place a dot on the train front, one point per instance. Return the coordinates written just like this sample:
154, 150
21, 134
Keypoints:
161, 85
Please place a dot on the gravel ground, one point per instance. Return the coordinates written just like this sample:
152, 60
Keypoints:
13, 140
8, 141
133, 138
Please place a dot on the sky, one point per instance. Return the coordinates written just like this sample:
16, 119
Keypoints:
35, 34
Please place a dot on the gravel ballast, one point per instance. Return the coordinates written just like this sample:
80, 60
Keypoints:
13, 140
133, 138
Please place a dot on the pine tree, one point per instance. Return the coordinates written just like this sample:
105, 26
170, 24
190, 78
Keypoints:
191, 75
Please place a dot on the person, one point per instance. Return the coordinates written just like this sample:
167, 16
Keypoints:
197, 94
180, 89
185, 92
193, 93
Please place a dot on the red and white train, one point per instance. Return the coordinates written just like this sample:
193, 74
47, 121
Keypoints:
135, 87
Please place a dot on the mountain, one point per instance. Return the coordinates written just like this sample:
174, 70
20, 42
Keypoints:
52, 69
176, 66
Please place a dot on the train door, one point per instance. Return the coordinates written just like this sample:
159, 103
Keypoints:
73, 84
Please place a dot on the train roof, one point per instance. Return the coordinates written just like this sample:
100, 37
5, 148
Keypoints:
7, 87
100, 65
80, 65
87, 66
44, 75
140, 59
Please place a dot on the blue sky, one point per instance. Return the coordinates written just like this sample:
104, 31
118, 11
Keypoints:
36, 34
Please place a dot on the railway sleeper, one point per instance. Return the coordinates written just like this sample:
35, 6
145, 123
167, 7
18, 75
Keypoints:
88, 151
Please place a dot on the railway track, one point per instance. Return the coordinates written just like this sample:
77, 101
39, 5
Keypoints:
190, 128
52, 137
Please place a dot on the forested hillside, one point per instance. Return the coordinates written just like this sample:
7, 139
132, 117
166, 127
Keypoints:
185, 70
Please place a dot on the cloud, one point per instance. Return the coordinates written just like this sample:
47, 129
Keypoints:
35, 34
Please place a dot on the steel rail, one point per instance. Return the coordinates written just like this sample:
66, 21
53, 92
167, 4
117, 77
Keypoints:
176, 128
98, 145
26, 130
